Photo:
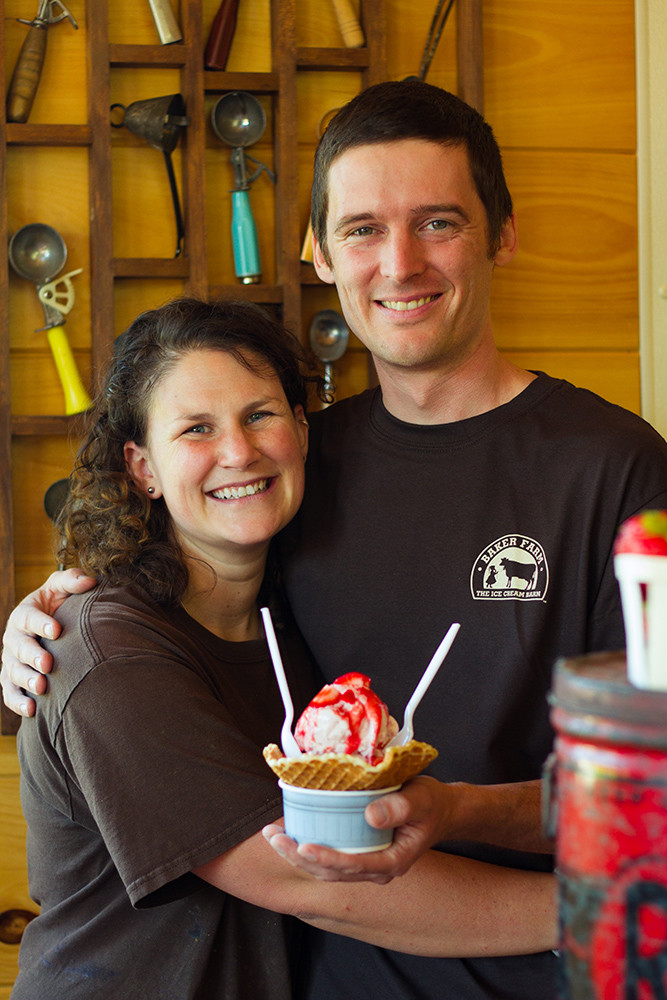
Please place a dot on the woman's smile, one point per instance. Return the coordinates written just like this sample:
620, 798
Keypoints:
239, 492
225, 452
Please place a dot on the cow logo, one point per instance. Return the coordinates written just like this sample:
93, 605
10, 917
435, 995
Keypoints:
513, 568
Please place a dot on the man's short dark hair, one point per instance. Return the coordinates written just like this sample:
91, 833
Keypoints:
411, 109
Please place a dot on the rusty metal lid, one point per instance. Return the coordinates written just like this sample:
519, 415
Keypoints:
591, 698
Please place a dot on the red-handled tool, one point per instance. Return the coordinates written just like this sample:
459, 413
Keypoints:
221, 35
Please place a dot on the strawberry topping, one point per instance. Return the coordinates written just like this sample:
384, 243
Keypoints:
643, 534
353, 721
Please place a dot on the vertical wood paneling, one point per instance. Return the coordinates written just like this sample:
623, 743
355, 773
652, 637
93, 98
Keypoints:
559, 91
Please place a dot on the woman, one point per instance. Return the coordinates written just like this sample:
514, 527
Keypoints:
143, 783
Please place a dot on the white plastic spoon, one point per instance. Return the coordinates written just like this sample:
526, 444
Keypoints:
288, 743
405, 734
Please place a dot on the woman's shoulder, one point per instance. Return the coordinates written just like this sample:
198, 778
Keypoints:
110, 618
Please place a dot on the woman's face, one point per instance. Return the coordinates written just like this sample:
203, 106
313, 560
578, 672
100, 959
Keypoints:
225, 451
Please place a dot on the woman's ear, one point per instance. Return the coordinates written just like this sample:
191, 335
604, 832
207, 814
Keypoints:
138, 466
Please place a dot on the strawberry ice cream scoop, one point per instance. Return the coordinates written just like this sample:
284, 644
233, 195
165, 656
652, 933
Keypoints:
644, 534
346, 717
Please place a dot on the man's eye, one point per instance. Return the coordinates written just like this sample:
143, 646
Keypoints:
439, 224
362, 231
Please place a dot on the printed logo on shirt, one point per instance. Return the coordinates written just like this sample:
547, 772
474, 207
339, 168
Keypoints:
513, 568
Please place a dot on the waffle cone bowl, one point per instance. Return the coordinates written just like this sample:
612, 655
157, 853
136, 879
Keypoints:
344, 772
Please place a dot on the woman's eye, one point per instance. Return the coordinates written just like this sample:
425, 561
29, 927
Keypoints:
197, 429
258, 415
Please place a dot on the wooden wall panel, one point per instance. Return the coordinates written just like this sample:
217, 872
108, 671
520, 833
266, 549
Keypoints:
37, 463
614, 375
559, 92
559, 76
34, 379
573, 282
13, 875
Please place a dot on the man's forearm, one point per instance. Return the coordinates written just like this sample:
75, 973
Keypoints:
507, 815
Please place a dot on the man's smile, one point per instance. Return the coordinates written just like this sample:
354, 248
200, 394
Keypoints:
400, 305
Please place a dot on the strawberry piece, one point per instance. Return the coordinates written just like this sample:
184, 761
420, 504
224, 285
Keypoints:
643, 534
353, 680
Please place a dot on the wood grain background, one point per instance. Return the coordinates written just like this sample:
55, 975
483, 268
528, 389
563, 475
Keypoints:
560, 94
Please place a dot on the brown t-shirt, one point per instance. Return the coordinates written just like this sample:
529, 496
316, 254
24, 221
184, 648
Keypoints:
142, 762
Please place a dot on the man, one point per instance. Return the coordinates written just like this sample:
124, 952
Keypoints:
461, 489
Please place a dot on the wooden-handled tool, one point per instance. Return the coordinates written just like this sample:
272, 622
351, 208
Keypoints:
28, 69
349, 26
221, 35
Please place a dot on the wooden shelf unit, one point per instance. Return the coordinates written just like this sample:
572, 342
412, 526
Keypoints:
291, 276
196, 82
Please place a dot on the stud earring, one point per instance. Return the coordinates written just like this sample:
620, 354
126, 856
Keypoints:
151, 489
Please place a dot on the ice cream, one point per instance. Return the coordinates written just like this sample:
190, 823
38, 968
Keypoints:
640, 565
644, 534
344, 733
346, 717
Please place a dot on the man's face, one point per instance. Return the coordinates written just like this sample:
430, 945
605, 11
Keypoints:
408, 246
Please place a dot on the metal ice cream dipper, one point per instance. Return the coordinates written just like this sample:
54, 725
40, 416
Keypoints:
238, 119
38, 253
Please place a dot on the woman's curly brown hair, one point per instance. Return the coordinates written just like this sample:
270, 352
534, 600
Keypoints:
109, 526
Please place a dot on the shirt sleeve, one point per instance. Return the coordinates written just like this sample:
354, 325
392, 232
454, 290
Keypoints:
167, 776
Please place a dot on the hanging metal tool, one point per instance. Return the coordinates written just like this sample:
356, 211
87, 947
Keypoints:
158, 121
438, 22
38, 253
328, 336
28, 69
238, 119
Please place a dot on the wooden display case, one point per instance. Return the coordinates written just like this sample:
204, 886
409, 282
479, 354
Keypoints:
288, 282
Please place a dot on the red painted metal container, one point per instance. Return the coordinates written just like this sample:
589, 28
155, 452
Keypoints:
607, 804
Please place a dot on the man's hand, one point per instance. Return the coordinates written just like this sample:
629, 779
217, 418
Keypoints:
24, 661
424, 812
414, 811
